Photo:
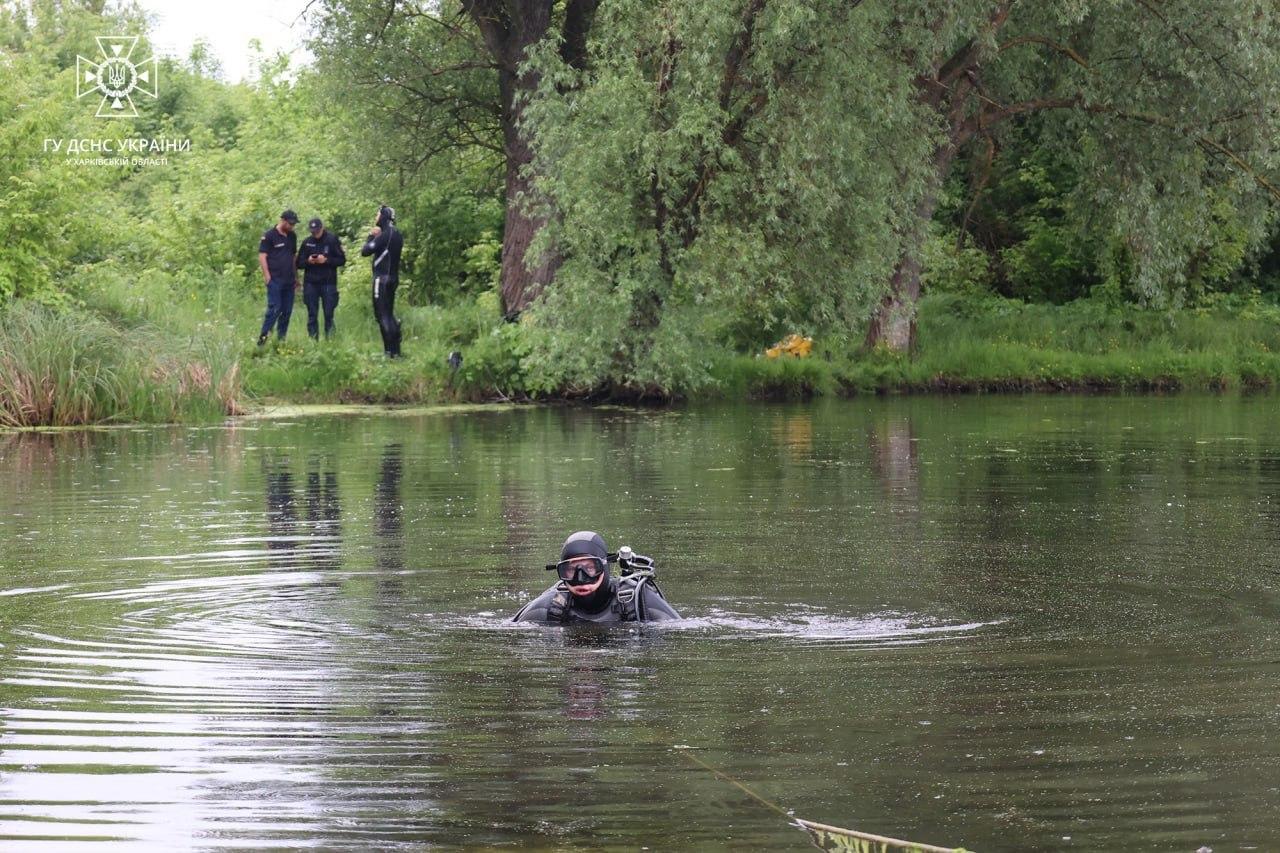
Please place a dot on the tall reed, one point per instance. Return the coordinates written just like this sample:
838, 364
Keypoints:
69, 368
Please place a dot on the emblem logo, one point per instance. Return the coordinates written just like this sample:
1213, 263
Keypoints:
117, 77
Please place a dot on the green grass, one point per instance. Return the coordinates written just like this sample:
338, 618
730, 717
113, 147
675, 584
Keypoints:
756, 378
136, 352
351, 366
998, 345
70, 368
348, 367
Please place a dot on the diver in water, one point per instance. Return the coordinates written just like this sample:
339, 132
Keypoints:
588, 592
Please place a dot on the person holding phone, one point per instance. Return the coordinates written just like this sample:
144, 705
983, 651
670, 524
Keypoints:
319, 258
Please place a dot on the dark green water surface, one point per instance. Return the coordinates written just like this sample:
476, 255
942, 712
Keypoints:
1007, 624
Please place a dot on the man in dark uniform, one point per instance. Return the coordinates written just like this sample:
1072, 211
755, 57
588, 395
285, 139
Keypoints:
587, 592
276, 253
384, 245
319, 258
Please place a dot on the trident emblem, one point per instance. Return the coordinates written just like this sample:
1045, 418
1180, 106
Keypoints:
116, 77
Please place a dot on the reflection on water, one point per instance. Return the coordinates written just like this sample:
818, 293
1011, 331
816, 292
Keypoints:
1004, 623
282, 508
388, 523
324, 517
585, 693
895, 461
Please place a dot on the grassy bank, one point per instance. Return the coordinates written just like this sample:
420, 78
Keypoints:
135, 353
966, 345
998, 345
72, 368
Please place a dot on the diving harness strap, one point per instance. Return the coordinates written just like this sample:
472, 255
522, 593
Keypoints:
628, 599
628, 603
561, 605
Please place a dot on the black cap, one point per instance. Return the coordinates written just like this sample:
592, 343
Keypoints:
314, 224
289, 216
584, 543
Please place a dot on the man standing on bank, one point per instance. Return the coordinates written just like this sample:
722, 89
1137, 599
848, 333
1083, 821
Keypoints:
384, 244
319, 258
276, 253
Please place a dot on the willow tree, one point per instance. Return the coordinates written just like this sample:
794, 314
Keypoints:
452, 76
719, 170
1162, 104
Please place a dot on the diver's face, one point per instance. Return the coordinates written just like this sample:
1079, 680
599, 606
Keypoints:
586, 564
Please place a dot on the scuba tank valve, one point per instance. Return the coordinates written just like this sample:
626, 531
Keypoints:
630, 562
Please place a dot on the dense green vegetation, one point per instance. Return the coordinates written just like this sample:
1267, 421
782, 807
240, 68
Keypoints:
633, 198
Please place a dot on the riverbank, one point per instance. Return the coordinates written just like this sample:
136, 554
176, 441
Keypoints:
125, 357
967, 345
993, 345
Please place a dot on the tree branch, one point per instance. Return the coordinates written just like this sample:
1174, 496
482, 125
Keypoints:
1060, 48
738, 51
579, 15
1153, 119
1188, 41
492, 23
964, 58
979, 184
454, 28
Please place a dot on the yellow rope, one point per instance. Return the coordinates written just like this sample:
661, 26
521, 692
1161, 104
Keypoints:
883, 840
735, 783
842, 839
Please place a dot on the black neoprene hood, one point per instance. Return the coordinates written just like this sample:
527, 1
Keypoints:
588, 543
584, 543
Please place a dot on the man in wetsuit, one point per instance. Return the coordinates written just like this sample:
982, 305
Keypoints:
587, 591
276, 251
319, 258
384, 245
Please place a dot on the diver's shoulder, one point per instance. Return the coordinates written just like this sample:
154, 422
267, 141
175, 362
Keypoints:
537, 609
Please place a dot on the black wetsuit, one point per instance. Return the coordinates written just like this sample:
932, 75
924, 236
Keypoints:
603, 607
385, 249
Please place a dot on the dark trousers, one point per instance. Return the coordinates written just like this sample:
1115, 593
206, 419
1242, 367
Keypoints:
384, 303
279, 308
314, 296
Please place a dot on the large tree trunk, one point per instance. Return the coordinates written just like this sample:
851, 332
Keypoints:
947, 90
893, 326
509, 29
523, 277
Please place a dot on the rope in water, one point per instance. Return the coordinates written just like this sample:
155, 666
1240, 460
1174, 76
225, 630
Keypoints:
836, 835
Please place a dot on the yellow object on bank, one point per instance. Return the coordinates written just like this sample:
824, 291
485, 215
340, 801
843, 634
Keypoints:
792, 345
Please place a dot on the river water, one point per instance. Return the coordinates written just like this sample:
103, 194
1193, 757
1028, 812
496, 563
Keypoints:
1002, 623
